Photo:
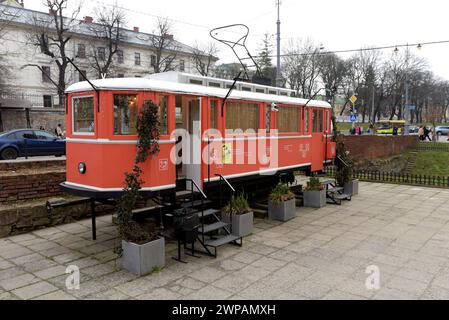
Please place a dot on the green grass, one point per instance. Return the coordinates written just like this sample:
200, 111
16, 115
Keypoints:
432, 163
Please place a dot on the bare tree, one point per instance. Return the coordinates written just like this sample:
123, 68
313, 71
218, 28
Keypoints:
300, 67
108, 30
204, 58
165, 48
52, 35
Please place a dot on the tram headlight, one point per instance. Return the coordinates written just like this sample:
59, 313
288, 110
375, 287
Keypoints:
82, 168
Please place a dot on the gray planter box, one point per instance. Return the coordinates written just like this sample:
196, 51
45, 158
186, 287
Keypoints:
314, 199
352, 188
143, 259
242, 224
283, 211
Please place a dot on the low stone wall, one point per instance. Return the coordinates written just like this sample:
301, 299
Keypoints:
27, 180
25, 217
47, 118
372, 146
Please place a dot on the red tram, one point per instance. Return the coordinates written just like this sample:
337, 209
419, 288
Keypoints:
259, 131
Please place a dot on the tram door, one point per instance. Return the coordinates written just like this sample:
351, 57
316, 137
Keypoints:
193, 165
318, 140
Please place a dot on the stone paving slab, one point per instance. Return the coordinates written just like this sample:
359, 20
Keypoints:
321, 254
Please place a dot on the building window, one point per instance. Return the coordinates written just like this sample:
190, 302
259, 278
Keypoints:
101, 54
193, 81
81, 51
153, 61
182, 65
82, 75
48, 101
46, 74
137, 59
120, 58
213, 114
125, 114
83, 115
163, 110
317, 120
288, 119
242, 116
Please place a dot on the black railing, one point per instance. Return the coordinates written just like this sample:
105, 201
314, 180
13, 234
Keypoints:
230, 187
396, 178
433, 146
203, 196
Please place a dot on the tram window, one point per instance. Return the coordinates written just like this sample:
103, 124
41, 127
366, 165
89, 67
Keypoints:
163, 108
83, 115
306, 120
288, 119
327, 121
268, 117
213, 114
317, 120
242, 116
178, 112
125, 114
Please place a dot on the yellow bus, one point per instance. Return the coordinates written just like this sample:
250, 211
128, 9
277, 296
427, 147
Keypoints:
387, 126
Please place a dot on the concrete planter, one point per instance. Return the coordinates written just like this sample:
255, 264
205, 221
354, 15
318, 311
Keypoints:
352, 188
242, 224
314, 199
142, 259
283, 211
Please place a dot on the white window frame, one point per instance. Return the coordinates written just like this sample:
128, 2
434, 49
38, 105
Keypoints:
75, 133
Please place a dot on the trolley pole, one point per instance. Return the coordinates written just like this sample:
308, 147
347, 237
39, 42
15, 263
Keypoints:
278, 66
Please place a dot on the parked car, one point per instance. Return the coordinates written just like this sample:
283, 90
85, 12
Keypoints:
442, 130
28, 142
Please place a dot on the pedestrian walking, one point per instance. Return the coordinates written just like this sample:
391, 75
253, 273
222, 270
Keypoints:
421, 133
427, 134
59, 132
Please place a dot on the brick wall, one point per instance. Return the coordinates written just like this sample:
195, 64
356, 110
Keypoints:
30, 179
371, 147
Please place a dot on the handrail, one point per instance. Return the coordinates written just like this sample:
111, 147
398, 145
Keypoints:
198, 188
227, 182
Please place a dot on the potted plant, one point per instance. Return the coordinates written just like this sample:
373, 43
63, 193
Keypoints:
143, 251
239, 215
344, 171
282, 204
314, 194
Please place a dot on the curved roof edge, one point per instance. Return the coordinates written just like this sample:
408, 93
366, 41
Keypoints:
182, 88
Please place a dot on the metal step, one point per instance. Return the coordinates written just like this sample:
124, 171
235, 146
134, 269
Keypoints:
222, 241
213, 227
335, 190
342, 197
185, 193
196, 203
208, 213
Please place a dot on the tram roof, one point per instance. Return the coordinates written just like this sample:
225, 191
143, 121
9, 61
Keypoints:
137, 84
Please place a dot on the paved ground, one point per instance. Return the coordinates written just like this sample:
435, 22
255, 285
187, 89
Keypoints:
322, 254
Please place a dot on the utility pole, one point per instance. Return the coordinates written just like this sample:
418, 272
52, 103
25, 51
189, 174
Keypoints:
278, 66
407, 110
373, 114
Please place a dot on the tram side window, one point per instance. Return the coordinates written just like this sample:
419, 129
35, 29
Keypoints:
327, 121
125, 114
242, 116
306, 120
213, 115
288, 119
162, 113
317, 120
83, 115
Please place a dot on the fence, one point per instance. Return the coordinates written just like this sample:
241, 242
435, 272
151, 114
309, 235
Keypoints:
396, 178
433, 146
27, 100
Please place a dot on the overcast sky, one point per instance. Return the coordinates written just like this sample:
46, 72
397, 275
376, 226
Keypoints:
338, 25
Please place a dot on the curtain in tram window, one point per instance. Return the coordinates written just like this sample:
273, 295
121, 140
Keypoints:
242, 116
288, 119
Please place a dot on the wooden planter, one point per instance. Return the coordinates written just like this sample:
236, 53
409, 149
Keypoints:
283, 211
314, 199
143, 259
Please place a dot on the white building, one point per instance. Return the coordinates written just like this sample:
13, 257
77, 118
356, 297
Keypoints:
135, 59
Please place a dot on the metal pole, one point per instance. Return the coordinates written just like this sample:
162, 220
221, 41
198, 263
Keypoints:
278, 66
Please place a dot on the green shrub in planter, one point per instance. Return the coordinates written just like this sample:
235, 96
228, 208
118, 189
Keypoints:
239, 215
282, 204
315, 194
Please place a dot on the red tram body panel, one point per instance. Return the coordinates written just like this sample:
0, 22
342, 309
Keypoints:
279, 133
